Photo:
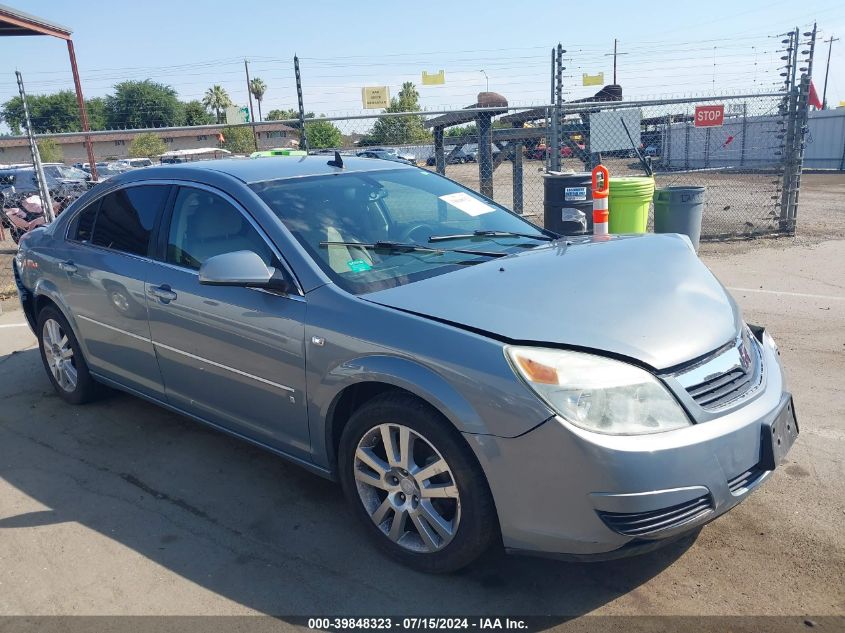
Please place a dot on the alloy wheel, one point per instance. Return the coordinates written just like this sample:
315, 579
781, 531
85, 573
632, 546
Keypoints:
59, 355
407, 488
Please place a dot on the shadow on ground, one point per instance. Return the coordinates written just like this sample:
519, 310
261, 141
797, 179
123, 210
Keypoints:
245, 524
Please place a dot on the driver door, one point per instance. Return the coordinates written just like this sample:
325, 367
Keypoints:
233, 356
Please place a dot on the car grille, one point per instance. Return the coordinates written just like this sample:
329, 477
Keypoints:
726, 376
745, 480
653, 521
720, 390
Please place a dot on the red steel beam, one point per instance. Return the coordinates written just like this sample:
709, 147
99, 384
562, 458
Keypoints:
83, 111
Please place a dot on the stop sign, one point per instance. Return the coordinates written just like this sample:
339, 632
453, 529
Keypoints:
709, 116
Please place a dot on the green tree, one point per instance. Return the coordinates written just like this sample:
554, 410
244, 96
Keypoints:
96, 113
50, 151
140, 104
290, 115
147, 145
322, 134
196, 114
257, 87
404, 129
216, 98
57, 112
238, 139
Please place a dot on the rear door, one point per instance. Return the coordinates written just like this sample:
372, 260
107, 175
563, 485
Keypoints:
102, 275
231, 355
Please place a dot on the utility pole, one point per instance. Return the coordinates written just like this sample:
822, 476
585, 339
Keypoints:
303, 139
614, 53
830, 42
251, 113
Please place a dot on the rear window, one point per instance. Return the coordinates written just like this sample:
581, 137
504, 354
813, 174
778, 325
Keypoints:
127, 217
82, 225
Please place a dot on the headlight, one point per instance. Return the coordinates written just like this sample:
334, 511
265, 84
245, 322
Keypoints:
597, 393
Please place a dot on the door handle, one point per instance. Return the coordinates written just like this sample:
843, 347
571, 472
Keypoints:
69, 267
163, 293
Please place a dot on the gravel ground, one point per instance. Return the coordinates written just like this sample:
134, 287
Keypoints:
122, 508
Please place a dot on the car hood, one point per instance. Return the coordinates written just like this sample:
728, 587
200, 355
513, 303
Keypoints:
644, 297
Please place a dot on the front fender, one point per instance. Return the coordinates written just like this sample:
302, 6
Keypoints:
395, 371
412, 376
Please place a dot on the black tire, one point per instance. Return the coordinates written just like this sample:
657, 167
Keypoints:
85, 389
478, 528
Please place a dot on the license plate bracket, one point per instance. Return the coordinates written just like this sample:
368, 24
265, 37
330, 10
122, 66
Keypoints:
778, 436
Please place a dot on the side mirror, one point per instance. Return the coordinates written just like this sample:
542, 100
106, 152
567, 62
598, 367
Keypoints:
240, 268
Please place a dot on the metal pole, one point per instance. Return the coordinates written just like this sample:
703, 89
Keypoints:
830, 42
614, 61
554, 147
439, 156
804, 113
83, 111
517, 177
251, 113
552, 139
43, 192
744, 133
789, 142
485, 154
303, 139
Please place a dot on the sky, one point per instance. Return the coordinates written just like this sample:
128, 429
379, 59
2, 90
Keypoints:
666, 48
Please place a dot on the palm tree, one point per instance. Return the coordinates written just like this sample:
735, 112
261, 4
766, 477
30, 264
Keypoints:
257, 87
216, 98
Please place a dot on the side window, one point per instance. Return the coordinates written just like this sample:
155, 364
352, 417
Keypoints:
82, 225
127, 218
204, 225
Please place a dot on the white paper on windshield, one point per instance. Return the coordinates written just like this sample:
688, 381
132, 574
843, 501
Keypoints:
466, 203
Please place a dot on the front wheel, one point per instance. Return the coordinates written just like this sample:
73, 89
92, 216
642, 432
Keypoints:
414, 484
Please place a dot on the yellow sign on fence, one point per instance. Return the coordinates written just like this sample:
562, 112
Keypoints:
433, 79
592, 80
375, 97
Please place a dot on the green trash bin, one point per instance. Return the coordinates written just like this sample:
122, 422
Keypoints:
630, 197
679, 210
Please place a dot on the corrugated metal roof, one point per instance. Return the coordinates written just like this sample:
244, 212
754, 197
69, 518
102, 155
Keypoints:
16, 22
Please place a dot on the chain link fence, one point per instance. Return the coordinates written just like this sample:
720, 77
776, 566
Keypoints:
741, 162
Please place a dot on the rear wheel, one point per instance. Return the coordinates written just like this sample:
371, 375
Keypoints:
63, 359
414, 484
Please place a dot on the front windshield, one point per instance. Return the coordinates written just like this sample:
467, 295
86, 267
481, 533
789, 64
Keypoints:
403, 205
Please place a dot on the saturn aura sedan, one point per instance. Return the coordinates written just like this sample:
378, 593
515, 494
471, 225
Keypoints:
469, 379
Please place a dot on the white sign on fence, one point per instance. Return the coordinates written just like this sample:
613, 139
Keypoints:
607, 133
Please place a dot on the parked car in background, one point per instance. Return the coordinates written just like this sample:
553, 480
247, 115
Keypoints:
108, 170
384, 154
134, 163
452, 156
63, 182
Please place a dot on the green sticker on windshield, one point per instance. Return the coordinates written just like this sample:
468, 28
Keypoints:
359, 265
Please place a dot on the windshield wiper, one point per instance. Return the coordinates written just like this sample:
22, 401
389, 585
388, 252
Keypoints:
386, 245
488, 233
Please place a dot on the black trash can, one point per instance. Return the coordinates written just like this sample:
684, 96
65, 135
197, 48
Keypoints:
568, 202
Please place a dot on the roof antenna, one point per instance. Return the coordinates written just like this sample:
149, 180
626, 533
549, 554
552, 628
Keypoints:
337, 162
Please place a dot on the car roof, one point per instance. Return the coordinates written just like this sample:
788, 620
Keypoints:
266, 168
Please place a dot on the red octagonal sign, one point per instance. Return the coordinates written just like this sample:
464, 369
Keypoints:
709, 116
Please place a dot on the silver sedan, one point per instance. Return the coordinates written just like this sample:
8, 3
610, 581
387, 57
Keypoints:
469, 379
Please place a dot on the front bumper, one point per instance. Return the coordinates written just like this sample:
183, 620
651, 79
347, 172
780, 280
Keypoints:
561, 490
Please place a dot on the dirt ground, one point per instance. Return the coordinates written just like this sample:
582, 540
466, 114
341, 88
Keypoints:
119, 507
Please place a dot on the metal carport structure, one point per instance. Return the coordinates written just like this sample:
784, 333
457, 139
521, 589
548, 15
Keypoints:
17, 23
